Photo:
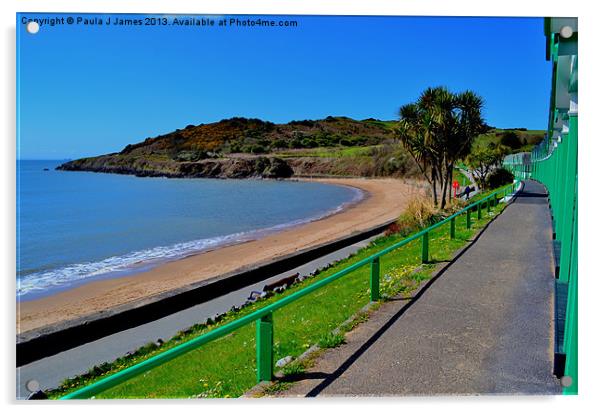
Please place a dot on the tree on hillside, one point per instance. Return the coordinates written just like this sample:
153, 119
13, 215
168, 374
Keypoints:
511, 140
485, 160
438, 130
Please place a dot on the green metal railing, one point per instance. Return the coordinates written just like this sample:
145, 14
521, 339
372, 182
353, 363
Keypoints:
556, 168
263, 317
554, 164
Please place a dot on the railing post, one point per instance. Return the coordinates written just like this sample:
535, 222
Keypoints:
375, 279
452, 228
468, 218
479, 210
489, 205
264, 340
425, 248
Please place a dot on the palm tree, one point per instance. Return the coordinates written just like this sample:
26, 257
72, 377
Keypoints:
439, 129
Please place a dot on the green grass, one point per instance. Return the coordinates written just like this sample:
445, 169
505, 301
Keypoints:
493, 136
336, 152
226, 367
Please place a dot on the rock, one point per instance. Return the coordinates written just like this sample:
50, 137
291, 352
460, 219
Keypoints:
254, 295
277, 168
185, 164
284, 361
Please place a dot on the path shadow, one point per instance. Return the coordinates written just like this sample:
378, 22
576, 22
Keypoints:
532, 195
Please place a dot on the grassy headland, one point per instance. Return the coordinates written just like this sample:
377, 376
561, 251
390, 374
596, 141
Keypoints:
248, 148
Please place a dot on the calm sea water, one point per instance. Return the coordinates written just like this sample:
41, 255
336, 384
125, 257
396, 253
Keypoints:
73, 227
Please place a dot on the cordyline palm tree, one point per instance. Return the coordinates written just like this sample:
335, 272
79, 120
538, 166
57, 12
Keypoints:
439, 129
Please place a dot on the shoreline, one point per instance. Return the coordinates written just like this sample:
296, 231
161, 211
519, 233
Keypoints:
383, 200
228, 240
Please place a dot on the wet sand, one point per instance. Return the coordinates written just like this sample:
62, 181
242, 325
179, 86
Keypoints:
385, 200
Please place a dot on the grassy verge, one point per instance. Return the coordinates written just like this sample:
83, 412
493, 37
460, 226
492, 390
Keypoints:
226, 367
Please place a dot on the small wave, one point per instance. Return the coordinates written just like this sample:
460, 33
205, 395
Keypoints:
44, 281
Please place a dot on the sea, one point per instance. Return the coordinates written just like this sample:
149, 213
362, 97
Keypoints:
77, 227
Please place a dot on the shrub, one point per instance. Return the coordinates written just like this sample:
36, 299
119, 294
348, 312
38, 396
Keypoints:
279, 144
234, 147
511, 140
358, 140
498, 178
326, 139
483, 161
309, 143
420, 213
295, 143
306, 122
255, 149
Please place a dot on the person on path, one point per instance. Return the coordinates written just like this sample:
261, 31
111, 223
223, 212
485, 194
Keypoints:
467, 191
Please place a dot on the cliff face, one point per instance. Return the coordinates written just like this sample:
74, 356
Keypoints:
250, 167
255, 167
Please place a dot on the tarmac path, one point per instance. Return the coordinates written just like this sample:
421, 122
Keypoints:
482, 325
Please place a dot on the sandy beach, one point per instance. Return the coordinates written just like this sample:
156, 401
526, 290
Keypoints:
385, 200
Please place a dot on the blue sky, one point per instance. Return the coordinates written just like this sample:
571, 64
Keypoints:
85, 91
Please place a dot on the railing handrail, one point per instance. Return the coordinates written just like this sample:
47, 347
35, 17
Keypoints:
139, 368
